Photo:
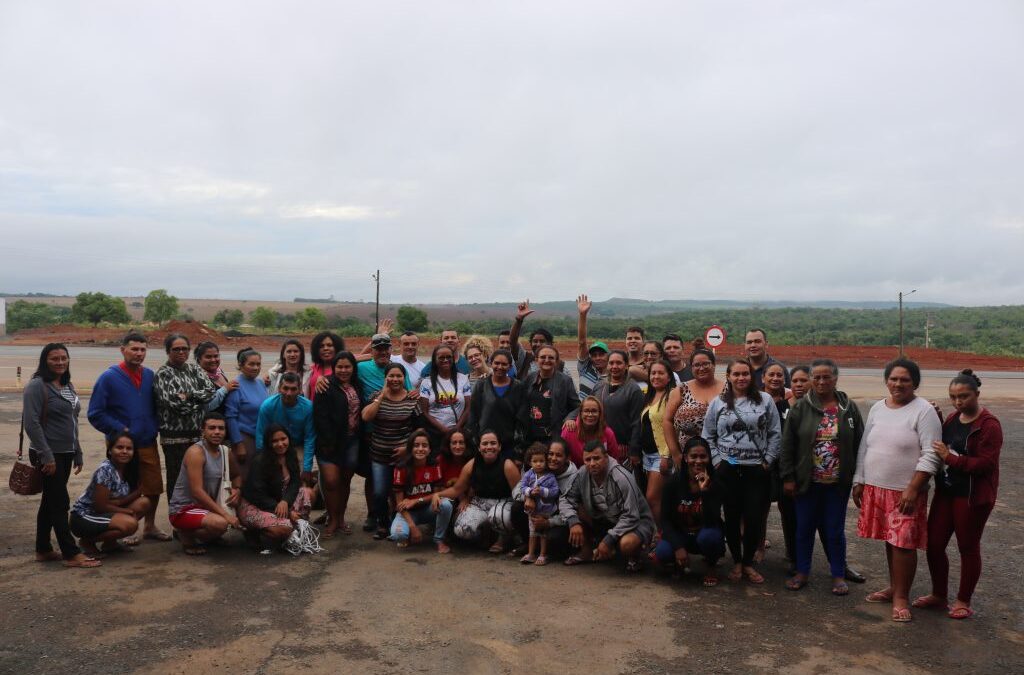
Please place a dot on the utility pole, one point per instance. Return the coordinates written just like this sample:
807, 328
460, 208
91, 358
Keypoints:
901, 317
376, 308
927, 326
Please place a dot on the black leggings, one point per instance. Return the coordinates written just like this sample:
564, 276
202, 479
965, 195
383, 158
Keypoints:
745, 496
53, 509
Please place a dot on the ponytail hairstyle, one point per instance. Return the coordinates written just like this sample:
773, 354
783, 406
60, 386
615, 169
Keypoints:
729, 396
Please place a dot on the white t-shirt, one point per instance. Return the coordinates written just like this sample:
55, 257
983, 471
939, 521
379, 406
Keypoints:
447, 404
896, 443
413, 369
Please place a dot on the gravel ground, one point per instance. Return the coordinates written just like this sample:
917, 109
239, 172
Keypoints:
364, 605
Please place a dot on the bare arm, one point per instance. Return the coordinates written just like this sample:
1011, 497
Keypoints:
583, 304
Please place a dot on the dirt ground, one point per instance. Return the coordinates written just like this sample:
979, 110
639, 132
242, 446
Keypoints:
367, 606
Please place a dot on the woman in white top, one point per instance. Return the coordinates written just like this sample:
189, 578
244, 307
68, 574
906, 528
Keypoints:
890, 486
444, 395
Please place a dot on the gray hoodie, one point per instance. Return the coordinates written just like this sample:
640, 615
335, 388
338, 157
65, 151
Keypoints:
59, 434
625, 507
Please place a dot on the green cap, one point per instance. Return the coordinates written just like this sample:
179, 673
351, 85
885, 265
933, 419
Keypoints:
599, 345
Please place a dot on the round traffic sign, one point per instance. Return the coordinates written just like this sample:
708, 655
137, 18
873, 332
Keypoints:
714, 336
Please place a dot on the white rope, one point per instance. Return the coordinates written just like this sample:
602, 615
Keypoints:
305, 539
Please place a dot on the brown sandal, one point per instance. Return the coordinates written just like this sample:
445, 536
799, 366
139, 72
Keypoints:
86, 563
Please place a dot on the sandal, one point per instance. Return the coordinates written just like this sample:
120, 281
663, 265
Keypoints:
403, 544
541, 560
735, 575
960, 613
345, 528
930, 602
901, 615
528, 559
133, 540
840, 588
710, 580
443, 547
797, 583
753, 576
574, 560
634, 566
497, 547
879, 596
86, 562
194, 550
380, 534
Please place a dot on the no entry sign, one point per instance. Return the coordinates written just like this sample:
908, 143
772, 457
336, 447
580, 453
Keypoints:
714, 336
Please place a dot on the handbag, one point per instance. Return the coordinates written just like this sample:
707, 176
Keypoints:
25, 479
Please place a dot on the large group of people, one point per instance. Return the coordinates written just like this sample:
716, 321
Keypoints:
655, 456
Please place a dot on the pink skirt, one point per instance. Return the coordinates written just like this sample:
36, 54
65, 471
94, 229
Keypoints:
254, 519
880, 518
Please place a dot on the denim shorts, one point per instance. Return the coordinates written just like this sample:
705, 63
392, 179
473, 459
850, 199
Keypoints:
652, 462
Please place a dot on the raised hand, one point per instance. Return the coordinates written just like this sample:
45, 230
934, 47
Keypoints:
523, 310
583, 304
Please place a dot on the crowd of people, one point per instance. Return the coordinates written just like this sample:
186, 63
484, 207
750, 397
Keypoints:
656, 457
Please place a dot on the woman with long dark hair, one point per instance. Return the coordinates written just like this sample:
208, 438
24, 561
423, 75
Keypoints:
656, 458
322, 350
743, 431
415, 485
965, 492
273, 498
291, 360
445, 395
336, 418
50, 413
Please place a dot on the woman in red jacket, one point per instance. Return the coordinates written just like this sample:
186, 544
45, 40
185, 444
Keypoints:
965, 492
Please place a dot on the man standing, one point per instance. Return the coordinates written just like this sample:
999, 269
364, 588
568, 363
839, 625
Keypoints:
194, 503
182, 391
409, 345
673, 346
756, 346
592, 363
634, 345
122, 400
604, 503
294, 413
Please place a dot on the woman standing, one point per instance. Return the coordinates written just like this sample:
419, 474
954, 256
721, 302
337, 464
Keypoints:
623, 401
691, 511
445, 395
394, 415
965, 492
551, 396
242, 407
819, 457
774, 384
207, 355
589, 426
688, 403
742, 428
291, 360
477, 351
50, 412
322, 350
657, 458
499, 404
484, 488
799, 383
337, 421
890, 486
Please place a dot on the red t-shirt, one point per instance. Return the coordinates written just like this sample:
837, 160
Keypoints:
450, 471
423, 480
134, 375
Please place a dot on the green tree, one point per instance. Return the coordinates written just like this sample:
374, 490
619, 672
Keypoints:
310, 318
24, 314
263, 317
160, 306
232, 318
411, 318
95, 307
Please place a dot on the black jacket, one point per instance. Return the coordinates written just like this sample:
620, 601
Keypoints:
508, 415
564, 397
264, 493
330, 420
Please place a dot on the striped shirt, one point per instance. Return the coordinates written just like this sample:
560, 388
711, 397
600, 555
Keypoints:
589, 377
394, 423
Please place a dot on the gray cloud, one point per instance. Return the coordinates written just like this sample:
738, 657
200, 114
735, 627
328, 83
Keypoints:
799, 150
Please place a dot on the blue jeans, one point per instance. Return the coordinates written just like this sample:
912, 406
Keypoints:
382, 476
709, 542
822, 506
423, 515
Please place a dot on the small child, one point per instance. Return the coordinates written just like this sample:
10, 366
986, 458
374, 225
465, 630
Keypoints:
540, 493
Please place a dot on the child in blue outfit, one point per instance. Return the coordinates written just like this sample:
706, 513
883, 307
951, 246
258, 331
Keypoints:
540, 493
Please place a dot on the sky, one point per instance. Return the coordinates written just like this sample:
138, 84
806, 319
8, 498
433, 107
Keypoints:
487, 151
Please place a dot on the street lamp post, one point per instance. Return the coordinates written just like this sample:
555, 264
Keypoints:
901, 317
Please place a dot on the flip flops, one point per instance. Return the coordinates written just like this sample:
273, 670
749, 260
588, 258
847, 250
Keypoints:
930, 602
960, 613
840, 588
84, 564
796, 583
902, 615
879, 597
574, 560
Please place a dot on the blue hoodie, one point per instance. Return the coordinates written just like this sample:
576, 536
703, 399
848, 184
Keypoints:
116, 404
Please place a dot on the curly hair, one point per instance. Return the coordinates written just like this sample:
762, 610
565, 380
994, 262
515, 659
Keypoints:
482, 343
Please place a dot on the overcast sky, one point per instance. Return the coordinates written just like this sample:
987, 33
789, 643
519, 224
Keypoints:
480, 151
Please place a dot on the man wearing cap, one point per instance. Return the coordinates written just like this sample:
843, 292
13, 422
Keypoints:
592, 363
371, 373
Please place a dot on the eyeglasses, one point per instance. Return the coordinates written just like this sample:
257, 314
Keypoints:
179, 349
702, 364
651, 354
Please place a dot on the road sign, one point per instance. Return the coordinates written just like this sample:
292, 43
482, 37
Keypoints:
714, 336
